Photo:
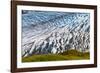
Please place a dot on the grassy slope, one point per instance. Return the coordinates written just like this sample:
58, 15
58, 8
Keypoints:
67, 55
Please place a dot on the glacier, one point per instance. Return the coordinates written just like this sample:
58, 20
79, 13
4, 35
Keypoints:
49, 32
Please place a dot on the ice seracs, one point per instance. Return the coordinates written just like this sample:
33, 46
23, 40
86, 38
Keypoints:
51, 33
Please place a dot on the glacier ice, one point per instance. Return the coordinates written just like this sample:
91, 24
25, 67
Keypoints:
45, 32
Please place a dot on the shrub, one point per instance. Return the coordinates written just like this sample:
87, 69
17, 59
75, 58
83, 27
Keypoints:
74, 53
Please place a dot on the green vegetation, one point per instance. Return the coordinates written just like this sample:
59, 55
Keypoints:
67, 55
